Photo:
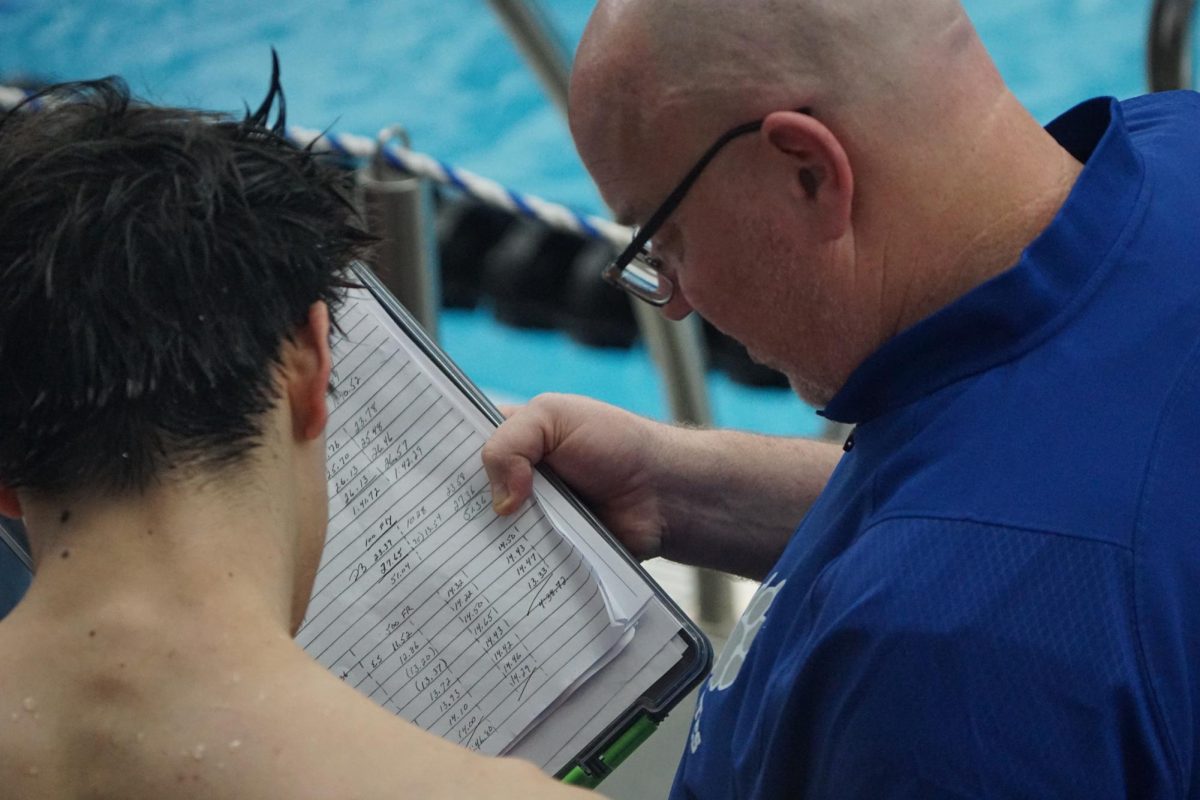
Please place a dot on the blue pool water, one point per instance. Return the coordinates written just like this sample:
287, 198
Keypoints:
445, 70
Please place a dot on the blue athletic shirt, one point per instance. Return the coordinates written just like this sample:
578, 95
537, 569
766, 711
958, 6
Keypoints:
998, 593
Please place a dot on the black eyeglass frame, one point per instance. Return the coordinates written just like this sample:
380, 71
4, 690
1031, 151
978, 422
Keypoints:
638, 272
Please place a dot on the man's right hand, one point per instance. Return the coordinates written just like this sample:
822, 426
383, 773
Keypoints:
607, 455
718, 499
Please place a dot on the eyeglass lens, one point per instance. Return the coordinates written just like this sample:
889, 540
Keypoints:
642, 278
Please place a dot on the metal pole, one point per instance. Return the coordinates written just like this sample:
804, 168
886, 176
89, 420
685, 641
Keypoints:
543, 49
1169, 49
399, 210
677, 348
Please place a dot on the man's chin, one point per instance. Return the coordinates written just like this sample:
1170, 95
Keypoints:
811, 392
763, 361
769, 363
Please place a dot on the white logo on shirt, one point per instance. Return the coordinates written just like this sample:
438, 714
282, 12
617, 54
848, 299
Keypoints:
733, 655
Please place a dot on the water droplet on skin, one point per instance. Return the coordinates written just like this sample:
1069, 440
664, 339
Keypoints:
29, 704
198, 752
235, 744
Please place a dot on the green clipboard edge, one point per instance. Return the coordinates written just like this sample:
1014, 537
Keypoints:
620, 739
614, 755
641, 719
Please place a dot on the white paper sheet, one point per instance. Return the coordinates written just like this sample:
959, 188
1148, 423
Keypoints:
583, 716
468, 624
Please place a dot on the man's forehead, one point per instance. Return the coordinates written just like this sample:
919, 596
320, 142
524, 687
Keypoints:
613, 138
637, 157
632, 161
638, 122
621, 180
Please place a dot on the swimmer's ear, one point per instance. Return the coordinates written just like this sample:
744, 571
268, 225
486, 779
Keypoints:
823, 181
10, 504
307, 363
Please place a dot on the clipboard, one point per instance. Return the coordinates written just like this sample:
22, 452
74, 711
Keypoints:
630, 725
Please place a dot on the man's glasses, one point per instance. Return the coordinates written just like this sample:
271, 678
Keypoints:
636, 270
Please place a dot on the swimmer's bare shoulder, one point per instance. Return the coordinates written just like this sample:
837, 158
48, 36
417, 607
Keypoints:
154, 719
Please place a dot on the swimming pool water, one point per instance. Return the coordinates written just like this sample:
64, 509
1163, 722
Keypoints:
445, 70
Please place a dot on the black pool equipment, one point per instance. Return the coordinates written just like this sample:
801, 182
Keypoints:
533, 276
525, 274
466, 230
595, 313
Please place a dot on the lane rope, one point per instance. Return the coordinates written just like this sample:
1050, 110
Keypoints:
399, 156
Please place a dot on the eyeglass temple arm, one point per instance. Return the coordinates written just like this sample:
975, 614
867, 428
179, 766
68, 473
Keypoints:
651, 226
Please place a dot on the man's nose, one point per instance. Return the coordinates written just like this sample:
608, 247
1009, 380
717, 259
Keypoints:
679, 307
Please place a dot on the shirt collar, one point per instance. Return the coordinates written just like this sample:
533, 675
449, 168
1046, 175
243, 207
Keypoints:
1012, 312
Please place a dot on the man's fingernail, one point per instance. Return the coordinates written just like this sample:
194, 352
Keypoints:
500, 499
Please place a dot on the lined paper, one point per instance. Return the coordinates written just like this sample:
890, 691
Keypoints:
468, 624
587, 713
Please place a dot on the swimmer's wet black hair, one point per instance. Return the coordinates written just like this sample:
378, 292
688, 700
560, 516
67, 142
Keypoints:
152, 263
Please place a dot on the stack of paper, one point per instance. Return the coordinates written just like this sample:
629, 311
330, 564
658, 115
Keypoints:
505, 634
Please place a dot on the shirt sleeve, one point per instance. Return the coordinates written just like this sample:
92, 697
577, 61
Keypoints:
954, 659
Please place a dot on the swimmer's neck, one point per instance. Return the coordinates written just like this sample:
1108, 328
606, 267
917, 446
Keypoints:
190, 560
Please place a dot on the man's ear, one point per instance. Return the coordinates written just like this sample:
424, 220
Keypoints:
10, 504
307, 364
821, 167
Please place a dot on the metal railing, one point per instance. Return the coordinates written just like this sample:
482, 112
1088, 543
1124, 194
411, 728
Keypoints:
539, 43
1169, 55
399, 209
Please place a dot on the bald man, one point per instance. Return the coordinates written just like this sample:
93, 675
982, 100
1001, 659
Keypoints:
992, 591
